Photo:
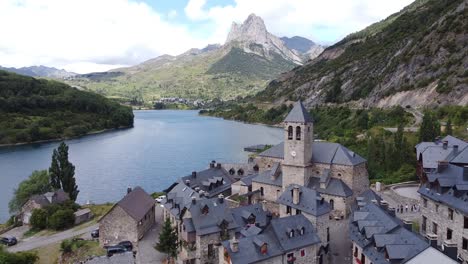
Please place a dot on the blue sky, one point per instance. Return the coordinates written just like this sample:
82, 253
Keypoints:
98, 35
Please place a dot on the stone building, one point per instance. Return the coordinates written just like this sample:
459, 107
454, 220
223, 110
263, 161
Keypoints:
41, 201
433, 155
334, 171
290, 239
378, 237
444, 208
129, 219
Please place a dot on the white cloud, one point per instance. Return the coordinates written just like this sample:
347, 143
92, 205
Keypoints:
172, 14
86, 35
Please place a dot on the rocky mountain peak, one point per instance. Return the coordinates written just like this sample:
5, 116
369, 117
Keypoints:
252, 30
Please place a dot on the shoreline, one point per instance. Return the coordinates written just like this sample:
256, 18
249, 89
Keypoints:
62, 138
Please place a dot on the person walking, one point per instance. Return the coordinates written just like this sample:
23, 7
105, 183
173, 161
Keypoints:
406, 207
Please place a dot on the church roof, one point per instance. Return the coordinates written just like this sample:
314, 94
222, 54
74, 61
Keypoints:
299, 114
322, 152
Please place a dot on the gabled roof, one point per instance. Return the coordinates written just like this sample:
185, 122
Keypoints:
218, 212
179, 198
218, 178
433, 152
57, 197
267, 176
241, 214
322, 152
299, 114
137, 203
309, 200
335, 187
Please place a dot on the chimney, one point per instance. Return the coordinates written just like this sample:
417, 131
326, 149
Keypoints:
391, 211
234, 245
218, 165
221, 198
194, 174
445, 144
187, 182
432, 240
442, 165
264, 205
455, 148
450, 249
129, 190
384, 205
194, 200
408, 225
465, 173
295, 195
212, 165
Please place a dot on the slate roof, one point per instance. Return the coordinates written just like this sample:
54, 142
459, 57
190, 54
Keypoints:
266, 176
179, 198
299, 114
57, 197
449, 187
247, 180
137, 203
335, 187
242, 213
217, 213
275, 236
219, 179
322, 152
433, 152
378, 233
309, 200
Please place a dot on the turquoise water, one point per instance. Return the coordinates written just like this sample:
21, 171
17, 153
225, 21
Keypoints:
163, 146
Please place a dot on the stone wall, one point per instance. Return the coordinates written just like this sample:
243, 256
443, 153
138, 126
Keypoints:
270, 194
202, 244
265, 163
440, 216
356, 255
26, 210
117, 226
294, 175
146, 223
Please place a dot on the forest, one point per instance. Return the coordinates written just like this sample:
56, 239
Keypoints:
38, 109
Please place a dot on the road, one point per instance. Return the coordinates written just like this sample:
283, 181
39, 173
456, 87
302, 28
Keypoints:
145, 249
418, 116
40, 241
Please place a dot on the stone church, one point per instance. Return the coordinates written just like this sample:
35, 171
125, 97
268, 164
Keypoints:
336, 173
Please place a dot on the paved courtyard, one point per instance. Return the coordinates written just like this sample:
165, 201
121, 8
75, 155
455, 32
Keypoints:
145, 248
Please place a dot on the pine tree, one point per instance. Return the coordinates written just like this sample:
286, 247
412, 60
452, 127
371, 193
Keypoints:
448, 127
62, 172
430, 128
398, 140
168, 239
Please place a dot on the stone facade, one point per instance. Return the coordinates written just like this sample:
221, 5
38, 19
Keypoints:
270, 194
446, 220
266, 163
26, 210
358, 255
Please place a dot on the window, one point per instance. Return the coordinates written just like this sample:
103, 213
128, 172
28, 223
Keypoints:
291, 233
424, 202
261, 191
449, 234
355, 251
328, 234
450, 214
210, 250
465, 244
303, 253
434, 228
302, 231
298, 133
363, 258
332, 204
288, 209
424, 222
437, 208
264, 249
298, 211
290, 132
465, 222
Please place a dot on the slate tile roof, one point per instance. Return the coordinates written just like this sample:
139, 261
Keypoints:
299, 114
335, 187
212, 181
433, 152
218, 212
57, 197
241, 215
310, 200
267, 176
322, 152
137, 203
275, 236
178, 198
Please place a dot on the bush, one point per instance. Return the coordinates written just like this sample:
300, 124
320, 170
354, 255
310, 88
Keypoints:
38, 219
66, 246
62, 219
17, 258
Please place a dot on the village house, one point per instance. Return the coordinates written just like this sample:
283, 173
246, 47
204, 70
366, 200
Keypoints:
129, 219
290, 239
334, 171
433, 155
444, 208
41, 201
379, 237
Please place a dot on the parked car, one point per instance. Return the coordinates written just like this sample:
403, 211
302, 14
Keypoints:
127, 245
95, 233
111, 250
160, 198
9, 240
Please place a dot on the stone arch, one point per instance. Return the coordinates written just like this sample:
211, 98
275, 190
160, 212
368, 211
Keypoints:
240, 172
298, 133
290, 132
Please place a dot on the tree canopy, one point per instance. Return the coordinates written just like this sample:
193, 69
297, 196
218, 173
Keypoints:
37, 183
168, 239
62, 172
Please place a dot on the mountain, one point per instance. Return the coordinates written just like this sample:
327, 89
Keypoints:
38, 109
243, 65
416, 57
40, 71
306, 47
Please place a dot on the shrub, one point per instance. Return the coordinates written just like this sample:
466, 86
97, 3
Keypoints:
17, 258
62, 219
66, 246
38, 219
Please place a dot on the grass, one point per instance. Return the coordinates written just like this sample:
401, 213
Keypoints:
99, 210
48, 254
82, 250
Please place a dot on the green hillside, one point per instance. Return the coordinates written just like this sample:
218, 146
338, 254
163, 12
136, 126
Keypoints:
38, 109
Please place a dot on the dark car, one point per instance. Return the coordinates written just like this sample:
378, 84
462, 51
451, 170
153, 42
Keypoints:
9, 241
95, 233
115, 250
127, 245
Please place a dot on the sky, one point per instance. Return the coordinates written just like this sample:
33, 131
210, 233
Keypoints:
97, 35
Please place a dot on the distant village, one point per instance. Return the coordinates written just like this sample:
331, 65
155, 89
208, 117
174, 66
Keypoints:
301, 201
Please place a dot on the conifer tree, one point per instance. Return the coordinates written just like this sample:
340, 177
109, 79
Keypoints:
62, 172
168, 240
448, 127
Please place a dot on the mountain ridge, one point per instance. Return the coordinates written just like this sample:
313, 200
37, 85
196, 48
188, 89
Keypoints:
40, 71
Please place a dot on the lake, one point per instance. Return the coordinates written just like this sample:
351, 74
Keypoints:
163, 146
